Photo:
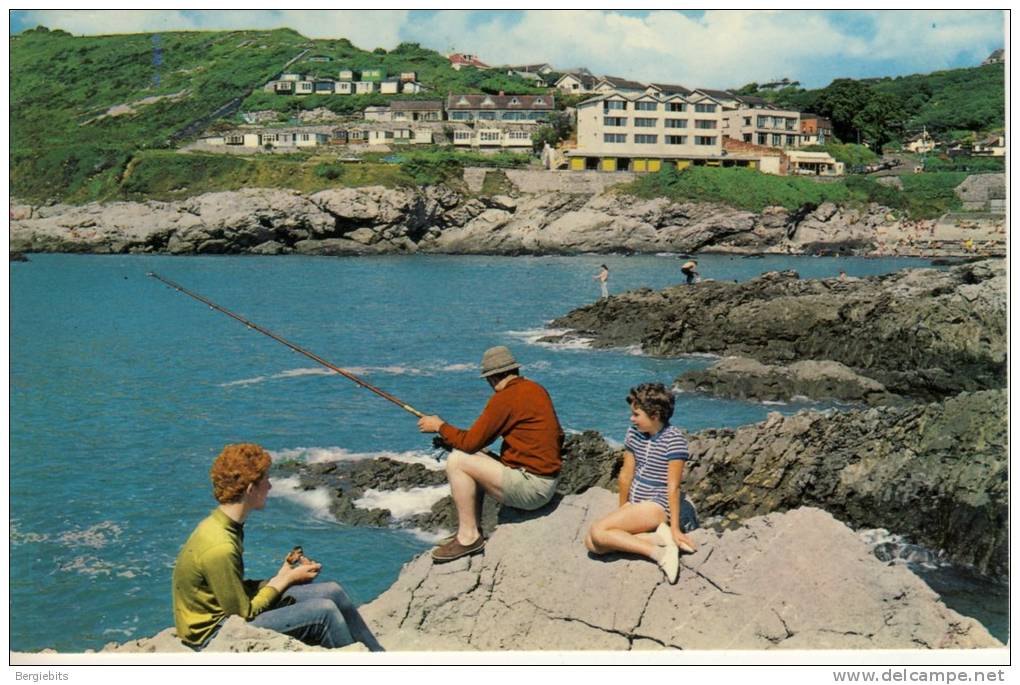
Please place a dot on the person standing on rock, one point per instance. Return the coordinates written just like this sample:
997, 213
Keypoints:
603, 278
527, 471
208, 577
690, 270
648, 520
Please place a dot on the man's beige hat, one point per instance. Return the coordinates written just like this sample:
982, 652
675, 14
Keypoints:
497, 360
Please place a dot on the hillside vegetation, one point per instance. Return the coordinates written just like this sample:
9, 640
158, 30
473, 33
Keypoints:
887, 109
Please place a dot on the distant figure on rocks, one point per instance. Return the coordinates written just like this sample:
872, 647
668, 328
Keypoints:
648, 520
603, 278
208, 576
527, 472
690, 270
843, 276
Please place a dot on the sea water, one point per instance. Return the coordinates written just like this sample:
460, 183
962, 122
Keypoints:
123, 391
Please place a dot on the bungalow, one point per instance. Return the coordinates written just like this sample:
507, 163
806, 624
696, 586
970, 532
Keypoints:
578, 83
390, 86
417, 110
519, 108
381, 133
373, 74
304, 87
280, 87
320, 58
291, 77
494, 135
271, 137
534, 79
991, 146
813, 163
324, 86
540, 69
408, 76
613, 84
460, 60
377, 113
364, 87
346, 74
343, 87
412, 88
920, 143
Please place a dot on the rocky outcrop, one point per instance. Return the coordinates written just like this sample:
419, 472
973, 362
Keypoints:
747, 379
935, 473
375, 220
798, 580
921, 332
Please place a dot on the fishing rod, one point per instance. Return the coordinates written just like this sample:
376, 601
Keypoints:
311, 355
437, 442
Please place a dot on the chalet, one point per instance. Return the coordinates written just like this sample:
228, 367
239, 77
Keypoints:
416, 110
343, 87
346, 75
406, 76
494, 135
325, 87
364, 87
412, 88
813, 163
579, 82
270, 138
540, 69
389, 86
320, 58
920, 143
990, 146
519, 108
997, 57
374, 75
377, 113
460, 60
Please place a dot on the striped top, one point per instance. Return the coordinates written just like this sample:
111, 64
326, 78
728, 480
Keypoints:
652, 454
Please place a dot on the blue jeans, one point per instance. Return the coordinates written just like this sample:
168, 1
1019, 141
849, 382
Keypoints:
319, 614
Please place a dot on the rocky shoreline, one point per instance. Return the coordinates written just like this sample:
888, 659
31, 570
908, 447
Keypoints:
439, 220
922, 333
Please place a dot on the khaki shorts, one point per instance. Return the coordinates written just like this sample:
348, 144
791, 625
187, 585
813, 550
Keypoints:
524, 490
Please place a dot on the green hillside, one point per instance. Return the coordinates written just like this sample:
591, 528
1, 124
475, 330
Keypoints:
888, 109
83, 106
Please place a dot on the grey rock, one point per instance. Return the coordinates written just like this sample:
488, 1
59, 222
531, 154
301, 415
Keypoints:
920, 332
743, 378
798, 580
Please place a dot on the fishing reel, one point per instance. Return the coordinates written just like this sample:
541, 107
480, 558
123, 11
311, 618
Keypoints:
440, 448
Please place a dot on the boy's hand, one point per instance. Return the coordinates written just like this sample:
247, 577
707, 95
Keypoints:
430, 424
295, 575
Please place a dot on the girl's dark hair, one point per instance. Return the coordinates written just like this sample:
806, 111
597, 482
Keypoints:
654, 399
605, 267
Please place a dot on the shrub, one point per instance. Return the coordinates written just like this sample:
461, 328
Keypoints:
329, 171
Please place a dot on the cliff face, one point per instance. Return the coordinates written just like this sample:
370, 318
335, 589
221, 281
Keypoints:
919, 332
434, 219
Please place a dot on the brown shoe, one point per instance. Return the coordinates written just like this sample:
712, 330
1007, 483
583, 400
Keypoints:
453, 536
454, 550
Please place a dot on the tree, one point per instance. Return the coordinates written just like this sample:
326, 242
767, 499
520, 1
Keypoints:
748, 89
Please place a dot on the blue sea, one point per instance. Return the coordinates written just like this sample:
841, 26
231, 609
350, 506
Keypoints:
122, 391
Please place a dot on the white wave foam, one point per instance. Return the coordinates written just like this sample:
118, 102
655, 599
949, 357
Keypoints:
317, 500
634, 350
97, 536
403, 503
890, 547
534, 336
94, 566
17, 537
323, 371
459, 367
321, 455
428, 536
613, 442
778, 403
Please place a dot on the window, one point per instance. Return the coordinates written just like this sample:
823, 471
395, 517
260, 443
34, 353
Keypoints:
539, 101
761, 122
645, 106
460, 116
791, 140
235, 140
462, 135
520, 135
644, 123
676, 140
614, 104
705, 123
677, 107
790, 124
763, 139
514, 101
614, 121
489, 136
704, 107
646, 139
488, 116
304, 137
614, 137
777, 139
704, 140
515, 116
676, 123
747, 121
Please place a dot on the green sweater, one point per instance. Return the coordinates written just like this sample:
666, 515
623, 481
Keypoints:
208, 580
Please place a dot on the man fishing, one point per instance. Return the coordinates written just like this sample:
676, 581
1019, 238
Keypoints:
527, 472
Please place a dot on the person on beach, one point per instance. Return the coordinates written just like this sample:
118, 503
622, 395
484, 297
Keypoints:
527, 471
208, 576
648, 519
690, 270
603, 279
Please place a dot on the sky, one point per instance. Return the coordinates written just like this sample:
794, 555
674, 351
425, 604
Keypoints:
708, 48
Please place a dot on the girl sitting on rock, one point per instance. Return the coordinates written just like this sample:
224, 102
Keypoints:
648, 519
